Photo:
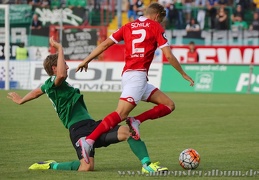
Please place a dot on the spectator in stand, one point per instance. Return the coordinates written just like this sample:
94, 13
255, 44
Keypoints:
21, 53
71, 3
230, 3
45, 4
167, 5
240, 25
81, 3
131, 12
187, 4
76, 3
55, 4
238, 14
212, 12
36, 23
223, 3
246, 4
139, 8
255, 23
172, 14
35, 3
192, 55
221, 19
200, 4
180, 17
193, 26
97, 4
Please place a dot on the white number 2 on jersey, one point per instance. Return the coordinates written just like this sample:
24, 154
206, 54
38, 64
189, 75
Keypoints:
143, 33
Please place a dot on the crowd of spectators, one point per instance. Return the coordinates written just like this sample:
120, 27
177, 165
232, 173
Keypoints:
212, 14
207, 14
54, 4
82, 6
135, 9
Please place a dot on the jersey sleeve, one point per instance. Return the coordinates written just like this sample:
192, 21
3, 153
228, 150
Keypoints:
117, 36
161, 38
48, 83
43, 88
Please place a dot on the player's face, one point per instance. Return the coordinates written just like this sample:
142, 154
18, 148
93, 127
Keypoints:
67, 67
191, 46
54, 68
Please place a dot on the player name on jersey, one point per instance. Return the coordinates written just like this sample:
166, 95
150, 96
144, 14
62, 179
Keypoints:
137, 25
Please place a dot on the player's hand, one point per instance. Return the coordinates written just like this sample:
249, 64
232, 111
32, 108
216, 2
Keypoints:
54, 43
188, 78
14, 97
82, 66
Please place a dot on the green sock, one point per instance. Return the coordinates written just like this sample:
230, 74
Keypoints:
139, 148
72, 165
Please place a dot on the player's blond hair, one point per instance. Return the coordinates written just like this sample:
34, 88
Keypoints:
51, 60
156, 8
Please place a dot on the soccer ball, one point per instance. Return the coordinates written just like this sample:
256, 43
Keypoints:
189, 159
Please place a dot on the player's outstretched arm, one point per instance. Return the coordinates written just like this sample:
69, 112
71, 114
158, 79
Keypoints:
96, 52
174, 62
61, 74
28, 97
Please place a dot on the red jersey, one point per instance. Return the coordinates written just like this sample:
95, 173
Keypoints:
192, 57
141, 38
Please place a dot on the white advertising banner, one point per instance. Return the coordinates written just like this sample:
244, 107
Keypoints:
101, 76
19, 74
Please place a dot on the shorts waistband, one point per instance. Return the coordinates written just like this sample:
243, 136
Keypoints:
80, 123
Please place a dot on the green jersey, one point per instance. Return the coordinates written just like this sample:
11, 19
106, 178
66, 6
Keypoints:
67, 101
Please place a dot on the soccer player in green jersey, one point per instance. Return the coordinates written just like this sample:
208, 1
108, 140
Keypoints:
73, 113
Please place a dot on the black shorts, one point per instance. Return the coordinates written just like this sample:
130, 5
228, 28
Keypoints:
86, 127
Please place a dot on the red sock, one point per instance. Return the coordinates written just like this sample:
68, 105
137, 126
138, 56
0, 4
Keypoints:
154, 113
109, 122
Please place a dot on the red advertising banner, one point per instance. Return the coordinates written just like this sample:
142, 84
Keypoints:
220, 54
207, 54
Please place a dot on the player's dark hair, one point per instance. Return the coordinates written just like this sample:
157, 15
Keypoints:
156, 8
51, 60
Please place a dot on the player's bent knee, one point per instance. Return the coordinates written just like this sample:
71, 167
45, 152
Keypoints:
123, 115
171, 105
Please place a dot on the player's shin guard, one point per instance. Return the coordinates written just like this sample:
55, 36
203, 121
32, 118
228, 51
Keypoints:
138, 147
154, 113
73, 166
107, 123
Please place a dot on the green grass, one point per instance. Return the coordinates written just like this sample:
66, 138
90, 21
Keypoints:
223, 128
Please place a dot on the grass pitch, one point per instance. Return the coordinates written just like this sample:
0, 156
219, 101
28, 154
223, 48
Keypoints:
223, 128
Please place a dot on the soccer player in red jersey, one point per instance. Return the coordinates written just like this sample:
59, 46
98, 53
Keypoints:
141, 37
